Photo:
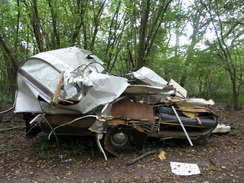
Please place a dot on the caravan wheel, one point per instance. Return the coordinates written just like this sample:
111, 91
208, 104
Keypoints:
119, 139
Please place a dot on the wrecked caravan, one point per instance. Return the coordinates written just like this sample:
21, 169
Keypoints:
69, 92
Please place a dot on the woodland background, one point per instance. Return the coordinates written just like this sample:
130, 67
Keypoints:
197, 43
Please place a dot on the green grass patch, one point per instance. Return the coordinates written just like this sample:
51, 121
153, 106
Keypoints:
238, 129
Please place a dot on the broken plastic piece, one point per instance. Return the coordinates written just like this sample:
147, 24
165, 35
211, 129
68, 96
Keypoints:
221, 128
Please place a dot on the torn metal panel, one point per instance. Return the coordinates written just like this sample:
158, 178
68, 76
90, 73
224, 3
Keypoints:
180, 91
105, 89
149, 99
76, 82
71, 120
86, 84
148, 76
129, 110
149, 90
149, 94
26, 100
99, 126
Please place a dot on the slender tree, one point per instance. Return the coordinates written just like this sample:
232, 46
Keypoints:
227, 25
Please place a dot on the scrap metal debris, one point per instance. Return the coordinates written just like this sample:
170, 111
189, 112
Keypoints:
69, 92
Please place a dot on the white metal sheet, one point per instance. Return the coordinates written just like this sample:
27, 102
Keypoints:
150, 77
105, 89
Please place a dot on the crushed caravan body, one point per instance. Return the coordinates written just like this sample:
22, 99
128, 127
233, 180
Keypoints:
69, 92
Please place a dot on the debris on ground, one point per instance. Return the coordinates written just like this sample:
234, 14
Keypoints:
221, 128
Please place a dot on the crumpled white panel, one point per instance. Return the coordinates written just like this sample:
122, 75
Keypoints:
150, 77
26, 100
105, 89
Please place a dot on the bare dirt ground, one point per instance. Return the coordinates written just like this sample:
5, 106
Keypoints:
220, 159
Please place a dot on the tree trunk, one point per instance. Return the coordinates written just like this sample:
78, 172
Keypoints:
97, 17
11, 67
36, 26
55, 35
190, 50
142, 34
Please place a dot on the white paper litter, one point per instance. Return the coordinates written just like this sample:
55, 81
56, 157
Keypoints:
184, 168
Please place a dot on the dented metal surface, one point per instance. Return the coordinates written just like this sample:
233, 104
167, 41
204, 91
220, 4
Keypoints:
69, 92
130, 110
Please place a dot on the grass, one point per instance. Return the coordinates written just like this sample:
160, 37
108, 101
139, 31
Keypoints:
6, 99
69, 147
238, 129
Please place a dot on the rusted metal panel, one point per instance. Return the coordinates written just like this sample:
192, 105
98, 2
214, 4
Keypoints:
116, 122
130, 110
57, 120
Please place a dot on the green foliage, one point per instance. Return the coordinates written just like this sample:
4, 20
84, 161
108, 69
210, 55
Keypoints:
115, 32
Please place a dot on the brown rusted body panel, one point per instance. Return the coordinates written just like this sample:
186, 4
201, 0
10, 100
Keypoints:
62, 119
130, 110
63, 125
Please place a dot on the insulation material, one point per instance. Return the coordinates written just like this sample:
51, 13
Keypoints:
195, 102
